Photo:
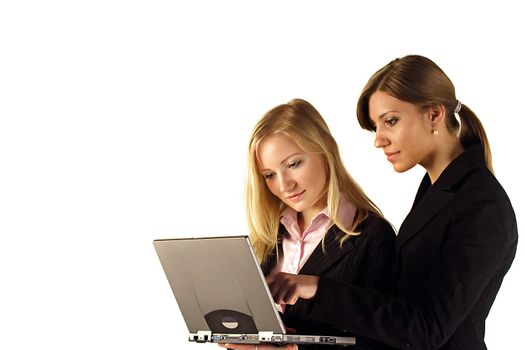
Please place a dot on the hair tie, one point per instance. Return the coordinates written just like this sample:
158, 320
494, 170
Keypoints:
458, 107
458, 118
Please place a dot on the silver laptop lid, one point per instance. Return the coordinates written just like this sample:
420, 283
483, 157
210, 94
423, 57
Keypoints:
219, 285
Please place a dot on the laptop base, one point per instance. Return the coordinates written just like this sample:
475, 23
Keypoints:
205, 337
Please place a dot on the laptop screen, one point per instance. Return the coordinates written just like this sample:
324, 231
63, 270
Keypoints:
218, 285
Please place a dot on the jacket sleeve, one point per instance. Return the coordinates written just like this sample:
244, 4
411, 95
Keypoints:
480, 244
373, 270
376, 263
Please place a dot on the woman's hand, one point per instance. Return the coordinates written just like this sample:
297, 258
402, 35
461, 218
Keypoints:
287, 288
258, 347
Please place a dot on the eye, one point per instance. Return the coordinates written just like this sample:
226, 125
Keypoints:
391, 121
268, 176
294, 164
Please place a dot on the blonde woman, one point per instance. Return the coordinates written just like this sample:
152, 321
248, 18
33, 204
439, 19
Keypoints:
308, 217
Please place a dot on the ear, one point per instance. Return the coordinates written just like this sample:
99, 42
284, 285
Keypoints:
436, 114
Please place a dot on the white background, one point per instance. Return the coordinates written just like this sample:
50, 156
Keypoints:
126, 121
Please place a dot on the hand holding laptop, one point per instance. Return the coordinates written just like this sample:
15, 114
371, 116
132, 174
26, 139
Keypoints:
287, 288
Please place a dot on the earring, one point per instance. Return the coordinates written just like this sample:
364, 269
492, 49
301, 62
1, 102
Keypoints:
435, 131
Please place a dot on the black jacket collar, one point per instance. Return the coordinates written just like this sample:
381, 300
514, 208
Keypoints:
431, 198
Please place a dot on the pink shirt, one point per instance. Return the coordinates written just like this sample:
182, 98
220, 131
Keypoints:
298, 246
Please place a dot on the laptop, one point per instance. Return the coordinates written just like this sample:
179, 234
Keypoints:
222, 293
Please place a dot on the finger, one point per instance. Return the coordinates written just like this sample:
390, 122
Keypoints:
274, 291
274, 287
240, 346
252, 347
291, 295
278, 289
276, 277
280, 294
291, 330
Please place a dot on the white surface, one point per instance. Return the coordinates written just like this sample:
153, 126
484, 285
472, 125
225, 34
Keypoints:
125, 121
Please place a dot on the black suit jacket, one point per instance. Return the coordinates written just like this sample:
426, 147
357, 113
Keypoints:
364, 260
452, 252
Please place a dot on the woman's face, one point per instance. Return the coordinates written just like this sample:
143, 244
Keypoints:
403, 131
296, 177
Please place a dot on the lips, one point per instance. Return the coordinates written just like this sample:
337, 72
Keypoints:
296, 196
391, 156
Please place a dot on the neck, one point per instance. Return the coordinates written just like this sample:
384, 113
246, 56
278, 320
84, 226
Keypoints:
304, 219
447, 151
301, 222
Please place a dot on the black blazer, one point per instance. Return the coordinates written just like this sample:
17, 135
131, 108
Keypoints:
364, 260
452, 252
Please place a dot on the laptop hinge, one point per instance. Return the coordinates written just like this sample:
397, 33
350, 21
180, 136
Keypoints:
200, 336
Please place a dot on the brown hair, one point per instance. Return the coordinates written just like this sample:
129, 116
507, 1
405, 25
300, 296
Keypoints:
418, 80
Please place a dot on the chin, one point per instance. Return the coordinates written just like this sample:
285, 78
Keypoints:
400, 168
297, 208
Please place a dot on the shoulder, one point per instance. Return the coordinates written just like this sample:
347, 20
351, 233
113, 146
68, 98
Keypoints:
482, 205
467, 177
376, 227
480, 187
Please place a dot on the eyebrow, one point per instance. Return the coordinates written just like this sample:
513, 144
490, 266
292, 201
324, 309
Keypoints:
285, 160
383, 115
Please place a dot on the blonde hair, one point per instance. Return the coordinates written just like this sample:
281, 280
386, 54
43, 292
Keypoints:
418, 80
300, 121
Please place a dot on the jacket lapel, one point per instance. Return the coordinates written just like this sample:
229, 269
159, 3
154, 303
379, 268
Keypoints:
430, 205
320, 261
432, 198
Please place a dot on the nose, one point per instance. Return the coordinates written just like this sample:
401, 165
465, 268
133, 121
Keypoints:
380, 141
286, 183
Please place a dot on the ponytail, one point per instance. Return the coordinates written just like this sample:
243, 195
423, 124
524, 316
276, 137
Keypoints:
472, 132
